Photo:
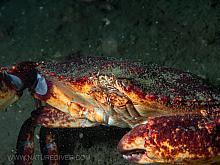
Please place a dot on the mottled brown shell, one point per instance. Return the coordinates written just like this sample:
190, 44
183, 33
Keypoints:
166, 85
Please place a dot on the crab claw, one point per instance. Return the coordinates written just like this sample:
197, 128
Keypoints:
10, 89
173, 139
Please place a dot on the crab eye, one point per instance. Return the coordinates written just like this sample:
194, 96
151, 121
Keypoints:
41, 87
14, 80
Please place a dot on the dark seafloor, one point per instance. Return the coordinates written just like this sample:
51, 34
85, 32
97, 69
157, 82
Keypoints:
179, 33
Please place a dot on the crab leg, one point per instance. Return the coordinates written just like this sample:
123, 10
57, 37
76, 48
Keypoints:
49, 117
25, 144
168, 139
48, 146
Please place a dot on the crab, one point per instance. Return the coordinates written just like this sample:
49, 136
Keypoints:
174, 115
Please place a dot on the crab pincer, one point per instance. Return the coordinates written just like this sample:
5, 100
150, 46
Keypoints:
180, 139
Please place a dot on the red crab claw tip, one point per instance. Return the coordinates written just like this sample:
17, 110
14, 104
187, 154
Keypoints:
131, 146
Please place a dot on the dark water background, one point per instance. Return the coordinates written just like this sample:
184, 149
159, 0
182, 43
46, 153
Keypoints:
179, 33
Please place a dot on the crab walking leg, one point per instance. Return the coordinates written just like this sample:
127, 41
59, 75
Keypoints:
48, 146
25, 144
51, 117
48, 117
173, 139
